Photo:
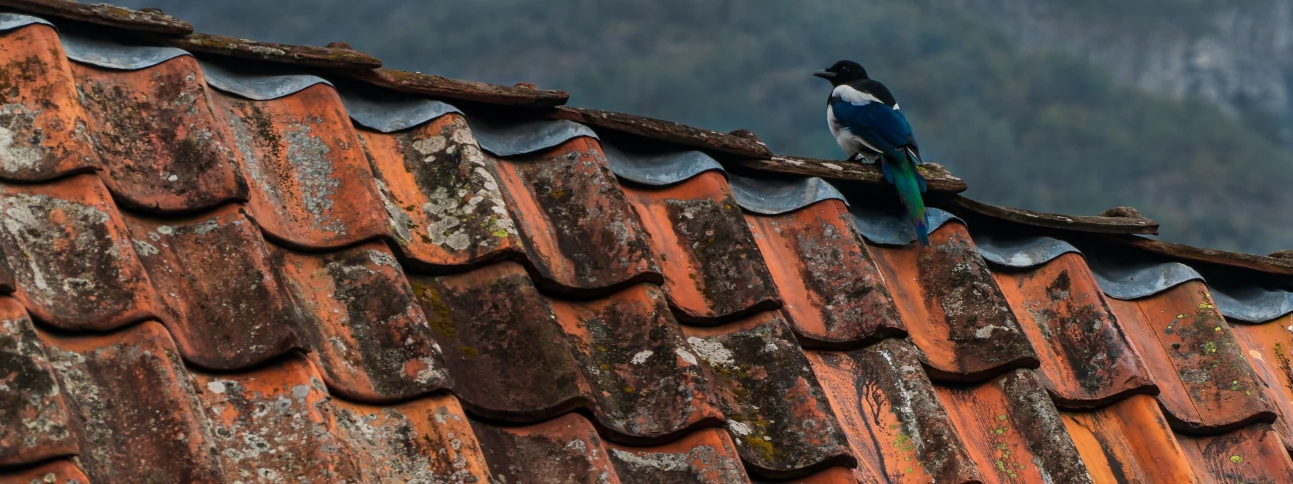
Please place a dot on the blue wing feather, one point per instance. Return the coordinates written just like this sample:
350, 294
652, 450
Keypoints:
877, 124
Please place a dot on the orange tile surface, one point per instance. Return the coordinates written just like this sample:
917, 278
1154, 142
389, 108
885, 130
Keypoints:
309, 178
1129, 441
40, 102
712, 269
1086, 360
1206, 382
834, 294
580, 232
442, 194
197, 286
953, 308
71, 256
1013, 431
161, 145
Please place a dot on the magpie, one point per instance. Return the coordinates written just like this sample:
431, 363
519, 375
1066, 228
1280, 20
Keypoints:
865, 121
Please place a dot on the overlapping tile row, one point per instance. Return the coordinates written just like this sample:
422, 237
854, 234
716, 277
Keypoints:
258, 263
187, 425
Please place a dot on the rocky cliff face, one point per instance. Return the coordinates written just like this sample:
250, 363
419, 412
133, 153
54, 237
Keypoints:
1236, 53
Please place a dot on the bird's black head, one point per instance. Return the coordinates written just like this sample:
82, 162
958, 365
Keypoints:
842, 72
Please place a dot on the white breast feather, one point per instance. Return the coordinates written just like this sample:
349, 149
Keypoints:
851, 144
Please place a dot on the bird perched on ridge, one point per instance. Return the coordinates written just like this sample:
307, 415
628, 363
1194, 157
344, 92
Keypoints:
865, 120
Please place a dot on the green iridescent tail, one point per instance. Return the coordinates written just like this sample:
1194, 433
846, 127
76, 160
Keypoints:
903, 175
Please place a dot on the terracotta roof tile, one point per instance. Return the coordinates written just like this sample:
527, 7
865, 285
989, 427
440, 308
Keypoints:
896, 424
834, 293
426, 440
60, 471
33, 417
1206, 382
366, 330
442, 194
1251, 454
636, 364
40, 108
777, 413
160, 143
834, 475
704, 457
501, 341
157, 431
194, 278
1129, 441
1269, 348
225, 302
581, 234
67, 247
1086, 360
953, 307
272, 422
310, 182
565, 449
712, 268
1013, 431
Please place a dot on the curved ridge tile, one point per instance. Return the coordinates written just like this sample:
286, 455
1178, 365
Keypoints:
658, 169
62, 471
565, 449
1269, 348
1134, 280
33, 416
773, 197
442, 195
526, 137
953, 308
713, 271
118, 443
634, 358
1251, 454
10, 21
1252, 304
1129, 441
777, 412
226, 305
888, 226
161, 143
258, 87
581, 234
427, 440
703, 457
1013, 431
107, 54
1086, 360
275, 421
43, 128
366, 330
310, 182
392, 112
517, 356
1021, 252
1206, 382
895, 423
501, 342
834, 293
68, 250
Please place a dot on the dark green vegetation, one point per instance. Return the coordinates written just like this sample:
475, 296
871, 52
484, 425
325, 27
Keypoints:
1045, 132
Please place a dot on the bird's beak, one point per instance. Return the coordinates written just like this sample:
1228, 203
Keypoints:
825, 74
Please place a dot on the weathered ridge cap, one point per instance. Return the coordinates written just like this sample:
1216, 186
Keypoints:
937, 178
297, 55
151, 21
1100, 224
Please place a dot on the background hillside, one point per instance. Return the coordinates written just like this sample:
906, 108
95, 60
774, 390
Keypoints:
1182, 112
